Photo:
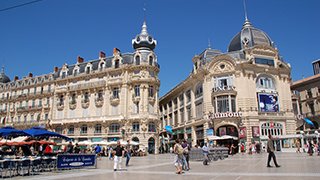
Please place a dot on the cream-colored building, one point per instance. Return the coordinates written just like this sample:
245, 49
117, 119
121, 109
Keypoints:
244, 93
109, 98
307, 95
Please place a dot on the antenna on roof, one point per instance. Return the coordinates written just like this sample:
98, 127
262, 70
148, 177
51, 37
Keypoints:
245, 10
209, 43
145, 11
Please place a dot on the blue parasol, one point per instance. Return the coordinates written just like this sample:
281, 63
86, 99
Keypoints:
169, 129
9, 131
308, 121
41, 132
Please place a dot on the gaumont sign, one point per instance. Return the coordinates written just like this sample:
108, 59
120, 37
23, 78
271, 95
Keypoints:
224, 115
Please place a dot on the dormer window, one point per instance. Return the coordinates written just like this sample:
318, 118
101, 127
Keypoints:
151, 60
101, 66
88, 69
63, 74
76, 71
137, 60
117, 63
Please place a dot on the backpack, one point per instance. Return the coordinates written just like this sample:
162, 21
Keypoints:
179, 149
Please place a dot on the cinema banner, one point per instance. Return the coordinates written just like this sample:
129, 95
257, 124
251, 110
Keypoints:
243, 132
268, 102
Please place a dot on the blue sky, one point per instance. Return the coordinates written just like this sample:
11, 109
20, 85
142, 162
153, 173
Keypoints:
49, 33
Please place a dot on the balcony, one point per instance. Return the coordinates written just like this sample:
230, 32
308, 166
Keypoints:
115, 100
72, 104
60, 106
85, 103
99, 102
224, 90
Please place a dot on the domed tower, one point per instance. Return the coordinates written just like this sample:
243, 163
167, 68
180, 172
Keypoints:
249, 36
4, 78
144, 40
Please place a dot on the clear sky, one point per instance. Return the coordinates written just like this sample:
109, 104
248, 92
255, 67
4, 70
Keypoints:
39, 36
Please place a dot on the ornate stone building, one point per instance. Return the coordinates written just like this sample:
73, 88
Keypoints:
244, 93
109, 98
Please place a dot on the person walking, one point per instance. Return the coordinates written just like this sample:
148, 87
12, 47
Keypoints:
128, 153
298, 146
310, 148
70, 147
270, 150
97, 150
118, 155
178, 151
186, 149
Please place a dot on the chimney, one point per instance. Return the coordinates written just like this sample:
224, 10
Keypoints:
30, 75
116, 51
80, 59
102, 54
16, 78
56, 69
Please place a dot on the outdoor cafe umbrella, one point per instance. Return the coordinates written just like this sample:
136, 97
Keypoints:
41, 132
11, 132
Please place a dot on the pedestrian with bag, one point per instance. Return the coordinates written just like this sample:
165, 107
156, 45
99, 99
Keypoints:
178, 155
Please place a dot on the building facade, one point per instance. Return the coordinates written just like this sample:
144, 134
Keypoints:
109, 98
307, 93
244, 93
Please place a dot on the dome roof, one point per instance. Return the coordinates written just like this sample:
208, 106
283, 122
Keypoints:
4, 78
144, 40
249, 36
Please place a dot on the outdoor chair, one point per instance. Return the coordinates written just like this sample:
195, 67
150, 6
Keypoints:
24, 167
35, 166
6, 166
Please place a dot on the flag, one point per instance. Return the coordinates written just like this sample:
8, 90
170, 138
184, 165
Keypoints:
308, 121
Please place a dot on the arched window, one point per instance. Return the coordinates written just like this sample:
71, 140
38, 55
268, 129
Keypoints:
117, 63
199, 90
71, 130
265, 82
97, 129
86, 97
114, 128
135, 127
152, 127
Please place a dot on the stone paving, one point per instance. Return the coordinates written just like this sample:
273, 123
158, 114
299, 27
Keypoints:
238, 167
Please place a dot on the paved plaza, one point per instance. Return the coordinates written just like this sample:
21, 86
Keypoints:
293, 166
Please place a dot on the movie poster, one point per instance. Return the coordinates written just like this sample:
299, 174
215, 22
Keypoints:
243, 132
223, 131
268, 102
255, 131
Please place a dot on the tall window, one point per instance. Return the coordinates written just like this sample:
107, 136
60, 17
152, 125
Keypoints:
188, 96
33, 103
189, 113
135, 127
152, 127
46, 116
84, 129
115, 93
49, 88
40, 103
223, 104
114, 128
97, 129
73, 98
58, 129
199, 110
151, 91
150, 60
48, 101
137, 90
88, 69
61, 100
137, 60
199, 90
182, 115
100, 95
86, 97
